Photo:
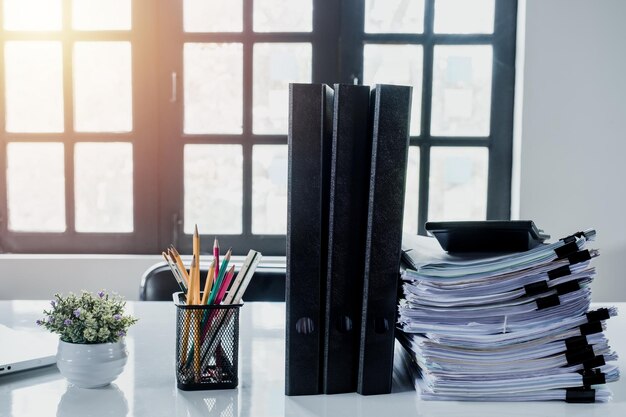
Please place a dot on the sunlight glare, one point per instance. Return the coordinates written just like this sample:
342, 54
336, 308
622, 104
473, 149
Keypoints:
36, 15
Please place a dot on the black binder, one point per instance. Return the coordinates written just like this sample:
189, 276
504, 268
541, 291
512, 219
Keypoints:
350, 165
391, 106
310, 134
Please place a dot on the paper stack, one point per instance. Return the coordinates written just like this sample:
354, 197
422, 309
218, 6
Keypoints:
505, 328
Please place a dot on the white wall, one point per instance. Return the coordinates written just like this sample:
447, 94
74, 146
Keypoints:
41, 276
573, 127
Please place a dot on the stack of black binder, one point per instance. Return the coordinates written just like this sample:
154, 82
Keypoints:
348, 149
514, 327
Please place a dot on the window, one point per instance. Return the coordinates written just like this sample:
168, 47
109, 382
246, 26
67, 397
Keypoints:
225, 137
124, 123
76, 126
459, 56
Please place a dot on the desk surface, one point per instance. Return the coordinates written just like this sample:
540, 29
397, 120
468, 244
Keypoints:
147, 385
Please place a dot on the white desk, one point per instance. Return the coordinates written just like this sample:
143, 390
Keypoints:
147, 385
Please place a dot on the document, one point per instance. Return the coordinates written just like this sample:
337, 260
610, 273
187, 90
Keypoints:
512, 327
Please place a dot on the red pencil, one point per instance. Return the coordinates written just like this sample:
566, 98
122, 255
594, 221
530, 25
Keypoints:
227, 279
216, 257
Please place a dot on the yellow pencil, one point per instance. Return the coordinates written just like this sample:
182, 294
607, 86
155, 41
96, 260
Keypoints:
195, 278
197, 315
208, 284
197, 285
191, 291
196, 243
185, 334
189, 315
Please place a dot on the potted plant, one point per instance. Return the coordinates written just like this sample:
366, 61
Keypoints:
91, 327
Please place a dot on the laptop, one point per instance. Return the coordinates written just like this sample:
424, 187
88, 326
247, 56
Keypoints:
22, 350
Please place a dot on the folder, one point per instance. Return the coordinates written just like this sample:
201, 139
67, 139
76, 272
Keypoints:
309, 138
350, 164
391, 110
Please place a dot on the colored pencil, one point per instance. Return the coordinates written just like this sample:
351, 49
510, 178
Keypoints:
225, 284
220, 277
216, 257
208, 284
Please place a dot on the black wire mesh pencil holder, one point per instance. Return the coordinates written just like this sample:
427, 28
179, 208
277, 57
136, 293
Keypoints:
207, 345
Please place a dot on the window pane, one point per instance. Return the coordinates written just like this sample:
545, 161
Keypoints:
411, 196
213, 87
461, 90
396, 64
32, 14
213, 177
275, 66
36, 187
213, 15
101, 14
103, 187
102, 87
464, 16
269, 189
458, 183
394, 16
34, 86
283, 16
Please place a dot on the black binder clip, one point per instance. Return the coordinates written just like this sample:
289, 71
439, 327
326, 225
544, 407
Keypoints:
593, 377
579, 356
578, 257
559, 272
546, 302
580, 395
592, 327
598, 315
596, 362
572, 238
567, 287
576, 342
565, 250
536, 288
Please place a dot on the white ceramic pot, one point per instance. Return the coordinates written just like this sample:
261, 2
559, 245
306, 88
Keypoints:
91, 365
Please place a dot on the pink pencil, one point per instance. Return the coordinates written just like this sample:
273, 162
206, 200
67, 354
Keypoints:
216, 257
227, 279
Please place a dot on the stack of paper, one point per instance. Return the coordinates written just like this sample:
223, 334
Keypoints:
505, 328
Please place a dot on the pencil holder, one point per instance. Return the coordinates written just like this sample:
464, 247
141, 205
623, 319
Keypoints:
207, 345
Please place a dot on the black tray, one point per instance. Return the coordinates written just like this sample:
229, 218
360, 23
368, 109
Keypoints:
487, 236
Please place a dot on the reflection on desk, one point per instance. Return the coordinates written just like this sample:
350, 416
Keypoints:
147, 387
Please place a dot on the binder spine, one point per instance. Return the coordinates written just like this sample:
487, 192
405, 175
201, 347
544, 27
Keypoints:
308, 140
391, 108
350, 165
